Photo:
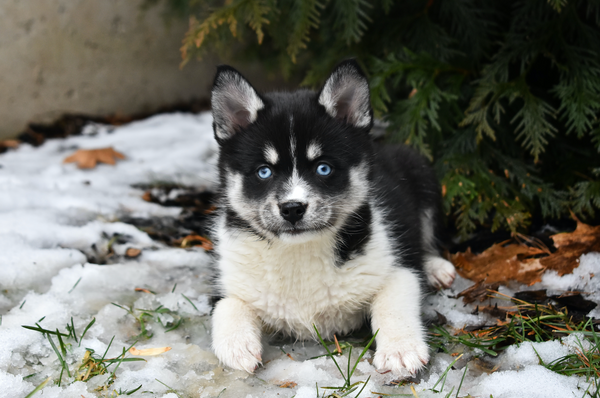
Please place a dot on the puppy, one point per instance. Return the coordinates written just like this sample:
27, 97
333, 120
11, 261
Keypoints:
317, 225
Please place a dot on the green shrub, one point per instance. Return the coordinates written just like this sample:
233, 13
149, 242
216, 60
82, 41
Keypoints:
503, 96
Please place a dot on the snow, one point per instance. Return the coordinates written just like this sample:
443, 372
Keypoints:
56, 222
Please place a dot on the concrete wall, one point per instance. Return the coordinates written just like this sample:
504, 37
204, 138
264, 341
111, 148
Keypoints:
91, 56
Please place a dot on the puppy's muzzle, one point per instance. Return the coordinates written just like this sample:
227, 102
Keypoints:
292, 211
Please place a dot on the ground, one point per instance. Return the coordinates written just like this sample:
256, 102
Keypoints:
70, 272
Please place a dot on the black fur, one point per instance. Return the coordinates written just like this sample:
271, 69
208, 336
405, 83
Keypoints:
403, 183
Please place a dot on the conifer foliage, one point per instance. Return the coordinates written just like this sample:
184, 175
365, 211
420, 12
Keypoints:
503, 96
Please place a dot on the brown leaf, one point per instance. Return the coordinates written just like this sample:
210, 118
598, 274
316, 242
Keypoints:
288, 384
8, 144
148, 351
519, 262
147, 196
132, 252
571, 245
337, 345
195, 240
88, 158
479, 291
501, 263
140, 289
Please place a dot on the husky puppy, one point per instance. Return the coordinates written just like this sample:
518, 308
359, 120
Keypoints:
317, 225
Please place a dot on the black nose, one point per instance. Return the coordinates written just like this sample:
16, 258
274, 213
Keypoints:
292, 211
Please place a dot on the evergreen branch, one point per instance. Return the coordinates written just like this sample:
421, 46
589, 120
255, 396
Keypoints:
351, 19
252, 12
387, 5
492, 91
558, 5
585, 197
580, 101
256, 11
305, 16
534, 126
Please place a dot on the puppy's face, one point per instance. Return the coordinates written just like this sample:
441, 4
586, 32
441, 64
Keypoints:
293, 165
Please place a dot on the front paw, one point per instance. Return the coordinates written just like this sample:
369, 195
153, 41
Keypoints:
236, 335
240, 350
403, 356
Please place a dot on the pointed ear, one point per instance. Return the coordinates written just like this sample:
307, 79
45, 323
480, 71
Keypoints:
234, 101
345, 95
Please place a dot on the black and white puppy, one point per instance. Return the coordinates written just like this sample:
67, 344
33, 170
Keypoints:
317, 225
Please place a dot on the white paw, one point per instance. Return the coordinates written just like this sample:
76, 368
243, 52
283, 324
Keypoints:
404, 357
440, 272
236, 335
241, 350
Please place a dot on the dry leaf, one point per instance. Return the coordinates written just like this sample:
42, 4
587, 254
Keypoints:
88, 158
139, 289
147, 196
504, 262
148, 351
479, 291
501, 263
5, 144
288, 384
132, 252
195, 240
571, 245
337, 345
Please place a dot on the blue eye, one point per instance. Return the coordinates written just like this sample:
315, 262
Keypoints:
323, 169
264, 172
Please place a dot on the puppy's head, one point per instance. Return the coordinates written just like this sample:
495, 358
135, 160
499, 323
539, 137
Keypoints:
293, 165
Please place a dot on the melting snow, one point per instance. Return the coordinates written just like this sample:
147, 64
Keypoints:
54, 218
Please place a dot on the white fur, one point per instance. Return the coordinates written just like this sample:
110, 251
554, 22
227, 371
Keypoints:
440, 273
347, 85
236, 334
290, 286
271, 154
292, 142
234, 95
236, 197
314, 151
396, 314
297, 190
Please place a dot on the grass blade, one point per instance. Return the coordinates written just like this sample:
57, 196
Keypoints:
86, 329
75, 285
363, 352
443, 376
329, 352
42, 330
363, 387
190, 301
38, 388
60, 358
461, 380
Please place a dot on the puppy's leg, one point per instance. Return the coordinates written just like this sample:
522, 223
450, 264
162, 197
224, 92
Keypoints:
236, 334
396, 313
440, 272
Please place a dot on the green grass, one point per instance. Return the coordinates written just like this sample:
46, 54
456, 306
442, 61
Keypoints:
144, 316
172, 390
38, 388
92, 365
348, 387
528, 322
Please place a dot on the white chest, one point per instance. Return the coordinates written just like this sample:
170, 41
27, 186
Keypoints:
293, 286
